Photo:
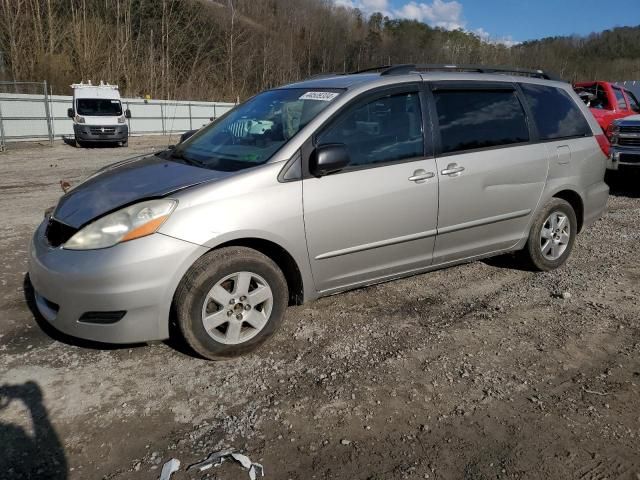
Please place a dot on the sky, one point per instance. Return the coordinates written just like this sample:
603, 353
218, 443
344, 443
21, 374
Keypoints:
511, 21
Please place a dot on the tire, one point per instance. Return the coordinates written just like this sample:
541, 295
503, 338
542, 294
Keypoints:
247, 326
545, 256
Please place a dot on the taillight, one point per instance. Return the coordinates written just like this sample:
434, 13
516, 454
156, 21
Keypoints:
604, 144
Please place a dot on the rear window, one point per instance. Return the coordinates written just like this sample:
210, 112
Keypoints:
594, 96
555, 113
471, 119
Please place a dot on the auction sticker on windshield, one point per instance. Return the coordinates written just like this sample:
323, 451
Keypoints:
323, 96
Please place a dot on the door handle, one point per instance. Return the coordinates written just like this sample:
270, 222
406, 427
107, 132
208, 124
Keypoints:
420, 175
452, 170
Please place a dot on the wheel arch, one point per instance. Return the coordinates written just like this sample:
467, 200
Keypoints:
575, 200
281, 257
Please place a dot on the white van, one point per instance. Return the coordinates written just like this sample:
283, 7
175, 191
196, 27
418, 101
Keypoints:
98, 115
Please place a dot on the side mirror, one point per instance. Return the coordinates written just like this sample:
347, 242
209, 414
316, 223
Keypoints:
127, 113
328, 158
70, 113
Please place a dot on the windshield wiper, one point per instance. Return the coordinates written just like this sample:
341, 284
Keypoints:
190, 161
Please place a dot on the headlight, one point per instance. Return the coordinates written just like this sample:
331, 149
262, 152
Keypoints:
135, 221
79, 119
121, 119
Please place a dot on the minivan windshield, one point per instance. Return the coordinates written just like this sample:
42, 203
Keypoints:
99, 107
250, 134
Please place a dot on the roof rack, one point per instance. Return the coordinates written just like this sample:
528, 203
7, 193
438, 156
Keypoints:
410, 67
375, 69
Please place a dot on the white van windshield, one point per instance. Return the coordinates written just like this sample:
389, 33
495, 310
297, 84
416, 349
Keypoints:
99, 107
250, 134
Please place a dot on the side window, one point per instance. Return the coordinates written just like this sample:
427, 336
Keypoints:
384, 130
622, 103
479, 118
555, 113
633, 101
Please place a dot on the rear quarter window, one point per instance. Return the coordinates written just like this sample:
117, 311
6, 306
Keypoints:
472, 119
555, 113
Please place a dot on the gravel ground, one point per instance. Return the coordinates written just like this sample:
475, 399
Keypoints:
479, 371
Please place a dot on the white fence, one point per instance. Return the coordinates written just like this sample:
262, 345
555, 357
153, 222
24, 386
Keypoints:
36, 117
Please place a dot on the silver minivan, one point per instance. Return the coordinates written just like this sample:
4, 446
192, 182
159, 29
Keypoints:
318, 187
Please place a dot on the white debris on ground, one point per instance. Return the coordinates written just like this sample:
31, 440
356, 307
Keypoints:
169, 468
218, 458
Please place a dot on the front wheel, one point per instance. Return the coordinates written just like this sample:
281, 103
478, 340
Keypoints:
552, 235
230, 301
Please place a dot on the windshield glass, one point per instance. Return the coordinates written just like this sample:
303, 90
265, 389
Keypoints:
250, 134
99, 107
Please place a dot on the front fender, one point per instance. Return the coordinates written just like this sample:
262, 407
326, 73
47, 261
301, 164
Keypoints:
249, 206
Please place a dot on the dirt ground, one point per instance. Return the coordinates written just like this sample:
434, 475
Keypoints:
482, 371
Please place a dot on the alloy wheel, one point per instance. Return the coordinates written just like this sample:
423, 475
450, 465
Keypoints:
237, 308
555, 235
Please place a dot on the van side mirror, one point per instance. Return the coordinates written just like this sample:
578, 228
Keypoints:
70, 113
127, 113
328, 158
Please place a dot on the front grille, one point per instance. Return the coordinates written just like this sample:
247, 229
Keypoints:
630, 129
58, 233
629, 141
629, 158
103, 130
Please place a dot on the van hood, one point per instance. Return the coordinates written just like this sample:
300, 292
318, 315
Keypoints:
127, 182
101, 120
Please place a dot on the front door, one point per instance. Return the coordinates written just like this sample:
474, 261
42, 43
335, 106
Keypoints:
377, 217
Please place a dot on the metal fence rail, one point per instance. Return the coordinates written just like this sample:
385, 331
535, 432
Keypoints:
37, 115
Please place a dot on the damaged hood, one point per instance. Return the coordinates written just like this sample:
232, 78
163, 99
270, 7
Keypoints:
125, 183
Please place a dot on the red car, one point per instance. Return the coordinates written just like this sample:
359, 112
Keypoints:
607, 101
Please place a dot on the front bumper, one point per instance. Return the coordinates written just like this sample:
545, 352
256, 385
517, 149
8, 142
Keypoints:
623, 156
137, 277
101, 133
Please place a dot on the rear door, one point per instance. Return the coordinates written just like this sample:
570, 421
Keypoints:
491, 175
377, 217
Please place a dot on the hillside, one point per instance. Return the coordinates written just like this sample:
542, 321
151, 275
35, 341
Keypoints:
205, 49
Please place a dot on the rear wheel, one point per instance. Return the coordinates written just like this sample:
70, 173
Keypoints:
230, 301
552, 235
